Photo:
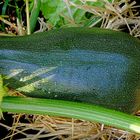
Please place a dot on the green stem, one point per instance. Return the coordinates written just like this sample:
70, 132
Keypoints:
34, 14
27, 18
71, 109
5, 5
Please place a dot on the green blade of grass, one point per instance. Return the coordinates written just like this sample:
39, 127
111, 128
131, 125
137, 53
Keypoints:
34, 14
5, 5
71, 109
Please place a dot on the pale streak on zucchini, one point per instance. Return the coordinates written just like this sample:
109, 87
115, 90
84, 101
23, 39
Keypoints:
71, 109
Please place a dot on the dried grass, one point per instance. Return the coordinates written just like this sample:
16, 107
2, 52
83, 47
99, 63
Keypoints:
115, 15
64, 129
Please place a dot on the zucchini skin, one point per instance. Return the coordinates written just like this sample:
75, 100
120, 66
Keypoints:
95, 66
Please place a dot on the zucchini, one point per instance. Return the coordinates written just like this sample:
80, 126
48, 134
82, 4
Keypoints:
94, 66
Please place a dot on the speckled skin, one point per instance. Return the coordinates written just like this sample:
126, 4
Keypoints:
95, 66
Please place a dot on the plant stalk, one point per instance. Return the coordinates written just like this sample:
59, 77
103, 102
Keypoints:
71, 109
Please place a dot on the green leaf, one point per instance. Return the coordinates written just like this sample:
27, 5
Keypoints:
57, 14
2, 94
51, 10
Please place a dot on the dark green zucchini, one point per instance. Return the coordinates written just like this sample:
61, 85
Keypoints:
95, 66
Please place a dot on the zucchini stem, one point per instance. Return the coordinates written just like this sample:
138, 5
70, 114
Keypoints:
71, 109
